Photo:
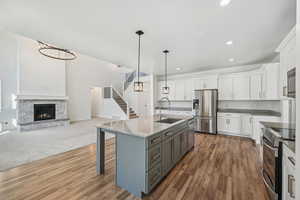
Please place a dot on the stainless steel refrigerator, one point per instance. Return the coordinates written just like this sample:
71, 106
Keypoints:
205, 105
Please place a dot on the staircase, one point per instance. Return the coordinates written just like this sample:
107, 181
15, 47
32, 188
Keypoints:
110, 92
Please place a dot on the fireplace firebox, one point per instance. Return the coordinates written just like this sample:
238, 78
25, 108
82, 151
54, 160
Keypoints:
44, 112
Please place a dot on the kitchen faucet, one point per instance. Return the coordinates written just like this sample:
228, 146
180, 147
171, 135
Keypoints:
160, 104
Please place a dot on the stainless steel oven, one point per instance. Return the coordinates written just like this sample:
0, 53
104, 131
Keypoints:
271, 167
291, 83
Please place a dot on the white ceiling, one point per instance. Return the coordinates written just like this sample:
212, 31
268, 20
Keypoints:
195, 31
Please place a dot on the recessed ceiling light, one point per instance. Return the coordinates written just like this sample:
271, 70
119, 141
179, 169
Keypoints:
224, 3
178, 68
231, 59
230, 42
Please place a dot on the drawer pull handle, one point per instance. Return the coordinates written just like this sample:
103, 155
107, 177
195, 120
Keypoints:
291, 182
154, 140
156, 157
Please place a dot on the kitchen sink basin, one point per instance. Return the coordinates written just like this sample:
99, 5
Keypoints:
168, 120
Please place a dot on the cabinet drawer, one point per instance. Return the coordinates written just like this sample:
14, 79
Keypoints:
154, 156
168, 133
153, 177
153, 140
221, 114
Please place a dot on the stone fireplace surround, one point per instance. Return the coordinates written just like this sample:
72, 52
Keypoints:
25, 112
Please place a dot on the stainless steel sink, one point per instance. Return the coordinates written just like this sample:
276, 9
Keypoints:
168, 120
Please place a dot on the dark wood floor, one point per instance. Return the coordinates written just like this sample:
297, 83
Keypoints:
219, 167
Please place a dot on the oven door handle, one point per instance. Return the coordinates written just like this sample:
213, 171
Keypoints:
270, 147
268, 186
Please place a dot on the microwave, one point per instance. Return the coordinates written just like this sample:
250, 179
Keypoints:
291, 83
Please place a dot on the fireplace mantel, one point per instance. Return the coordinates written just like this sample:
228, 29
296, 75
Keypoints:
40, 97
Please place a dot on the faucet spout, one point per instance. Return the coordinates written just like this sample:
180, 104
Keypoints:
160, 104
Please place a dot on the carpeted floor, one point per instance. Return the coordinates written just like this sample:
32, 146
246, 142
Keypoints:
18, 148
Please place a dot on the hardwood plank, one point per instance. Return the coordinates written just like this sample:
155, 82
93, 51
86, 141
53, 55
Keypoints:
219, 167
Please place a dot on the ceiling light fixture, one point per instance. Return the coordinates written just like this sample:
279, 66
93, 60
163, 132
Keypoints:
138, 86
230, 42
178, 68
231, 59
166, 89
224, 3
55, 52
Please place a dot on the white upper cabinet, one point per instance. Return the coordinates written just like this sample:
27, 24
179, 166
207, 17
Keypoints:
287, 50
241, 88
189, 88
209, 82
171, 85
179, 90
270, 83
255, 86
225, 88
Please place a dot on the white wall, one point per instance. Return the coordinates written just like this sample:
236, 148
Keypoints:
97, 101
83, 74
8, 75
298, 103
38, 74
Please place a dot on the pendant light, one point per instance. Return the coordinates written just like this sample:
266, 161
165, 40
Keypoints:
55, 52
166, 89
138, 85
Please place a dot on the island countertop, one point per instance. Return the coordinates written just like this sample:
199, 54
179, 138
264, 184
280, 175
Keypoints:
141, 127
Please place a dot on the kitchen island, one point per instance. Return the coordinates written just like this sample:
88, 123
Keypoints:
146, 149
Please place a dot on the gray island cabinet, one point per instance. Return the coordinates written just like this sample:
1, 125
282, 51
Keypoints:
146, 150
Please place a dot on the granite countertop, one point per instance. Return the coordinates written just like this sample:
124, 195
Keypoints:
175, 108
291, 145
141, 127
278, 125
252, 112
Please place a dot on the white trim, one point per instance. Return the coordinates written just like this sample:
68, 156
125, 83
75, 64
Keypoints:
40, 97
286, 40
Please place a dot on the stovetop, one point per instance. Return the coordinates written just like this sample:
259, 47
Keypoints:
286, 133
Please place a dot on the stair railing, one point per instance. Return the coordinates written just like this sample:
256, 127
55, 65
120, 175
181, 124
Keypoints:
110, 92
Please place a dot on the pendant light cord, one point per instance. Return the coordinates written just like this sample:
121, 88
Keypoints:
139, 55
166, 60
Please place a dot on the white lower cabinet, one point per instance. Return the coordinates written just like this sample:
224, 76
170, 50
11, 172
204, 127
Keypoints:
288, 175
229, 123
245, 125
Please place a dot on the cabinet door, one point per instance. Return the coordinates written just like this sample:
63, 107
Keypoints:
191, 139
177, 148
271, 81
171, 85
210, 83
221, 124
241, 88
198, 84
233, 125
247, 125
189, 89
288, 179
179, 90
167, 155
184, 142
225, 88
256, 86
